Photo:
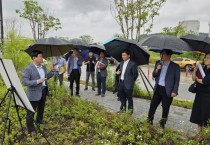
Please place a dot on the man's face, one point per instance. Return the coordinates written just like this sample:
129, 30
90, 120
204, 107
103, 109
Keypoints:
102, 55
125, 56
75, 52
164, 56
90, 54
38, 59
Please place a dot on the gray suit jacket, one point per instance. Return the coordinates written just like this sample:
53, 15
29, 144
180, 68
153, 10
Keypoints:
172, 78
131, 74
71, 64
30, 76
103, 69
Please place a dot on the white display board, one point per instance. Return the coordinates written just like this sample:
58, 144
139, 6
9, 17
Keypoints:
15, 82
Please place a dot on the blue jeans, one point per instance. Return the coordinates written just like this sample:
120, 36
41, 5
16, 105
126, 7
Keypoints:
101, 82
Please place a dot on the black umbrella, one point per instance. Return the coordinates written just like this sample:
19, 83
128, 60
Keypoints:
165, 42
116, 46
79, 44
159, 50
96, 49
198, 43
50, 47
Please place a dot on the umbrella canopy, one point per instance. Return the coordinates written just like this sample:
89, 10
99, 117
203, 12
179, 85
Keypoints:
50, 47
79, 44
116, 46
159, 50
96, 49
198, 43
165, 42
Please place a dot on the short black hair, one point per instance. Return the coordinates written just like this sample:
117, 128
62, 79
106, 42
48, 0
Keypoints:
35, 53
167, 51
126, 51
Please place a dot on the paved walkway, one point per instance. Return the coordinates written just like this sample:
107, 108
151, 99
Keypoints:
178, 117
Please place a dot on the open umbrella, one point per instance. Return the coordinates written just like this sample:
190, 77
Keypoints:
50, 47
96, 49
198, 43
159, 50
79, 44
116, 46
165, 42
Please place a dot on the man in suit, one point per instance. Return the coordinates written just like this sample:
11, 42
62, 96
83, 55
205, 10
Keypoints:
101, 72
35, 78
128, 75
74, 70
167, 77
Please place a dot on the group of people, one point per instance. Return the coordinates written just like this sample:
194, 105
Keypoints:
166, 74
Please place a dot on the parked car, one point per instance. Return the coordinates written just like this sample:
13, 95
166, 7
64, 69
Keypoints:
185, 62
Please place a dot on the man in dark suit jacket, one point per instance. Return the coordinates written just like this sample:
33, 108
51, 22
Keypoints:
167, 77
128, 75
74, 70
35, 78
101, 73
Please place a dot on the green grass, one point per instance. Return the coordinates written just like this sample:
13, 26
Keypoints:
71, 120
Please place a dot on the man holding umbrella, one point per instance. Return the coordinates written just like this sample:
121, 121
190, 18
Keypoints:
74, 70
167, 77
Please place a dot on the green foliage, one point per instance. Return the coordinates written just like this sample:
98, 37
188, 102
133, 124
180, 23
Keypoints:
14, 50
133, 15
87, 38
175, 31
40, 20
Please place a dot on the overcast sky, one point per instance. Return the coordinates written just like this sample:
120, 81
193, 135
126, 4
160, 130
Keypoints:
93, 17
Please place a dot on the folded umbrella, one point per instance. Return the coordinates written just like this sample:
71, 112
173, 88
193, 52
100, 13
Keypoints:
50, 47
114, 47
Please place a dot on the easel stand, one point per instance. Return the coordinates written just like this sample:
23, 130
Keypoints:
11, 92
144, 77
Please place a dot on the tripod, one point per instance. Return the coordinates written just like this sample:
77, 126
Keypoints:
143, 77
11, 92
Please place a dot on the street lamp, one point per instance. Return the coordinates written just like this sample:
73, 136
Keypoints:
2, 28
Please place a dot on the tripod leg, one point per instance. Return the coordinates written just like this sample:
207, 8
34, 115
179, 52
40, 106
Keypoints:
16, 107
6, 119
4, 97
146, 78
144, 83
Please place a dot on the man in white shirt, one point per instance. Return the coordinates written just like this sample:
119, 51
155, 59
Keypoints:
129, 74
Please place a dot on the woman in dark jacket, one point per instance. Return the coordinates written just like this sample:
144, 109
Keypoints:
201, 107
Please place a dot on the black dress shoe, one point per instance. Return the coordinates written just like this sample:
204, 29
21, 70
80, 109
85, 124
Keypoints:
86, 89
97, 94
93, 89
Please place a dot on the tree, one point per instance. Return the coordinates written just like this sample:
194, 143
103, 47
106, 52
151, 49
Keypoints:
87, 38
41, 22
118, 35
14, 50
175, 31
132, 15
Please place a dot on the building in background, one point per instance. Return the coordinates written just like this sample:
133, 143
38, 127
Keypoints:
191, 25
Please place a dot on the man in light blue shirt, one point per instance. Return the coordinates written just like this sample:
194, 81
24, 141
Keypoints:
167, 77
74, 70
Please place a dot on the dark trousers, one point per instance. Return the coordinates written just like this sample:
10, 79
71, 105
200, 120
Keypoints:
87, 79
39, 106
74, 76
125, 94
160, 96
59, 77
117, 79
101, 83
